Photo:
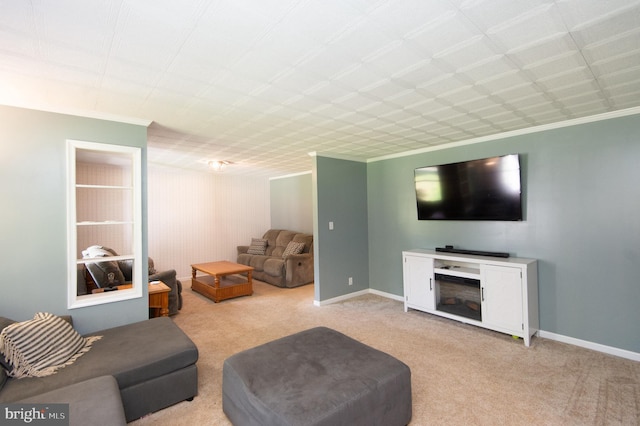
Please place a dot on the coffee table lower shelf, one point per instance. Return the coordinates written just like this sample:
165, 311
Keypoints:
230, 286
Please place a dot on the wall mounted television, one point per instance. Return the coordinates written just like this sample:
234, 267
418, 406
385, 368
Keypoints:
484, 189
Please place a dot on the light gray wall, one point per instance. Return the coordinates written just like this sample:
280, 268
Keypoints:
292, 203
341, 198
582, 210
33, 218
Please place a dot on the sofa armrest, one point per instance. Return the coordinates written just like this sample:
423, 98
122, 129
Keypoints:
242, 249
175, 295
299, 269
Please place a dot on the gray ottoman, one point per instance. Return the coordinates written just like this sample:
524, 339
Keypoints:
316, 377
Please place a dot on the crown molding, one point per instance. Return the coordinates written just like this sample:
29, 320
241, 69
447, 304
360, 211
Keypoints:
98, 115
308, 172
519, 132
336, 156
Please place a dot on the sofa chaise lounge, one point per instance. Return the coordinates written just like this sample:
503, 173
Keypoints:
131, 371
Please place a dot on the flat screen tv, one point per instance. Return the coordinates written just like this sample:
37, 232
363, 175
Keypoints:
485, 189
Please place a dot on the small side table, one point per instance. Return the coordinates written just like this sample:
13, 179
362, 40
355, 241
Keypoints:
159, 300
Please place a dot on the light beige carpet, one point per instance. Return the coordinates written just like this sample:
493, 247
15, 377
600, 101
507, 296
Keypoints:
460, 374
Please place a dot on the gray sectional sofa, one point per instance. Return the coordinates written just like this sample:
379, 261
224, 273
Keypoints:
133, 370
291, 270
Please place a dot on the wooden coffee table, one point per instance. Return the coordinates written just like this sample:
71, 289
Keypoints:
221, 281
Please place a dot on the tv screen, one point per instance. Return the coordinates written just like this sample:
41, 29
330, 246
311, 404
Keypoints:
485, 189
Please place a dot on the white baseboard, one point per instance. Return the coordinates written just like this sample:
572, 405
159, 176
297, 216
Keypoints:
623, 353
356, 294
341, 298
387, 295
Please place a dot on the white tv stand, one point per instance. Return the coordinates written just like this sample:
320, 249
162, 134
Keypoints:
500, 294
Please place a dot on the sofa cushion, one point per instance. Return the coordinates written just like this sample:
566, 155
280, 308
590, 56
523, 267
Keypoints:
3, 323
271, 235
119, 353
126, 267
307, 239
177, 350
104, 274
258, 246
3, 377
94, 402
41, 346
274, 266
244, 258
256, 261
284, 237
293, 248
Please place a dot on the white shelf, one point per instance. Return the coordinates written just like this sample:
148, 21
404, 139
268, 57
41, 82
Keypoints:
105, 259
456, 271
105, 222
103, 186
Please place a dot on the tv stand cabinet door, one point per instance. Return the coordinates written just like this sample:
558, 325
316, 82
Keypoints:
502, 300
419, 289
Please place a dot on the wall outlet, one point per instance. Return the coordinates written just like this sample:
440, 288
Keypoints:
350, 280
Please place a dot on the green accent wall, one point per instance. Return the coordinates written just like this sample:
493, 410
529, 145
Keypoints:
582, 222
340, 197
33, 218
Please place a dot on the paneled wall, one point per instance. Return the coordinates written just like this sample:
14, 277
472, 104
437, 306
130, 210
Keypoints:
199, 217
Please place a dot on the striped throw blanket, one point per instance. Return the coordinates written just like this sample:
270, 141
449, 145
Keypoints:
41, 346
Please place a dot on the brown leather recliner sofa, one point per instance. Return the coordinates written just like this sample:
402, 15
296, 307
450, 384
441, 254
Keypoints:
290, 270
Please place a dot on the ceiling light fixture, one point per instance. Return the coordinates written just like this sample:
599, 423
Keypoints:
218, 165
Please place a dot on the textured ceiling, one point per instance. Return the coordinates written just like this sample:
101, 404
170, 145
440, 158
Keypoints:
262, 83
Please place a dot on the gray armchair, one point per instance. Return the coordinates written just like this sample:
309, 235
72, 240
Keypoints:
169, 278
108, 274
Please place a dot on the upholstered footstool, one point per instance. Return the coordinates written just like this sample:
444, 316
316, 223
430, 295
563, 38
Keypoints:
316, 377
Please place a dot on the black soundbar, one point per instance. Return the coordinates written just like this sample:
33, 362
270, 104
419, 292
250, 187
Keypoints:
450, 249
